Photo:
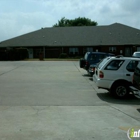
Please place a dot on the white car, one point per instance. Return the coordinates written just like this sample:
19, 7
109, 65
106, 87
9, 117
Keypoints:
115, 74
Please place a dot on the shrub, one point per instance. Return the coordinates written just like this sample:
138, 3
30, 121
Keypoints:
63, 55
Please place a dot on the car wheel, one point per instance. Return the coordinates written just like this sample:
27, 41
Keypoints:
119, 90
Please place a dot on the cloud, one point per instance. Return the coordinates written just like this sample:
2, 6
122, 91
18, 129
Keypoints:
17, 24
19, 17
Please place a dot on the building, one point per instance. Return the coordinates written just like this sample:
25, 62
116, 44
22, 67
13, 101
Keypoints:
75, 41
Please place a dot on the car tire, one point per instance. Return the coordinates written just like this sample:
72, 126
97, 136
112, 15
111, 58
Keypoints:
120, 90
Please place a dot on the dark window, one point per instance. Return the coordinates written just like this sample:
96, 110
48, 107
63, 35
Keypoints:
96, 57
112, 49
132, 65
114, 65
93, 57
102, 56
89, 49
73, 50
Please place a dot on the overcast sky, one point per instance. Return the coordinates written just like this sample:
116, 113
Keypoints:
18, 17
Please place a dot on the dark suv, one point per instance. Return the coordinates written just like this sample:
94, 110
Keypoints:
92, 58
135, 89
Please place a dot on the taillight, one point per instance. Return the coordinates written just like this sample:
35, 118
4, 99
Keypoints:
93, 69
101, 74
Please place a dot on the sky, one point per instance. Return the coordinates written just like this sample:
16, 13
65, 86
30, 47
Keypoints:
18, 17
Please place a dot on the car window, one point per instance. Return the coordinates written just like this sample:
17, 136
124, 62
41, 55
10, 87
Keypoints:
93, 57
101, 56
132, 65
137, 71
114, 65
86, 55
102, 62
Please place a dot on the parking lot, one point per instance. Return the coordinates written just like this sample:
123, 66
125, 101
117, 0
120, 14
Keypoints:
56, 100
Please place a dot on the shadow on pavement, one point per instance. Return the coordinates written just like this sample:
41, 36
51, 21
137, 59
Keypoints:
91, 79
138, 110
86, 75
131, 100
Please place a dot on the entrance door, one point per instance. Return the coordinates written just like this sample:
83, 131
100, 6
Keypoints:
128, 51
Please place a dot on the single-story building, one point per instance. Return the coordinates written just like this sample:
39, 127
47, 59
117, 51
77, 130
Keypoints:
75, 41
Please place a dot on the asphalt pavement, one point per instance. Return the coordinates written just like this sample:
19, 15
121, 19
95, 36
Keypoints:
56, 100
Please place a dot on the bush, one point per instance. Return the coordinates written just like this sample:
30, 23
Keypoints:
63, 55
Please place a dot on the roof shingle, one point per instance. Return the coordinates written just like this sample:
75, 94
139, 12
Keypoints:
115, 34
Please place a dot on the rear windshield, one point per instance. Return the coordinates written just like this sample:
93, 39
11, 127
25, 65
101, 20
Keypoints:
96, 57
102, 62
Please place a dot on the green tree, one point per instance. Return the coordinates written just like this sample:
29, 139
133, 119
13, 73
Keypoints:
81, 21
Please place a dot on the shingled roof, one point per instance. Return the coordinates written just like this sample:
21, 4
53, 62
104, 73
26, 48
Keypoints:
114, 34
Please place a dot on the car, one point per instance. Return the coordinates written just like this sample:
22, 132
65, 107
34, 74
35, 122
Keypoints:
115, 74
135, 88
92, 58
136, 54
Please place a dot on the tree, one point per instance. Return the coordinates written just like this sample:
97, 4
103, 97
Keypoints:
81, 21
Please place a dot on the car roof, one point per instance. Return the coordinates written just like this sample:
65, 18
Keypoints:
126, 58
136, 52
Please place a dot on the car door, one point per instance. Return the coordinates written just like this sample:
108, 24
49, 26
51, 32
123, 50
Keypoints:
129, 69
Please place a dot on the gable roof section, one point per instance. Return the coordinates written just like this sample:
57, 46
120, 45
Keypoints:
115, 34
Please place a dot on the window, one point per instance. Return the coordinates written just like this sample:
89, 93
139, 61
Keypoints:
97, 57
132, 65
114, 65
101, 56
89, 49
102, 62
93, 57
73, 50
86, 56
112, 49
